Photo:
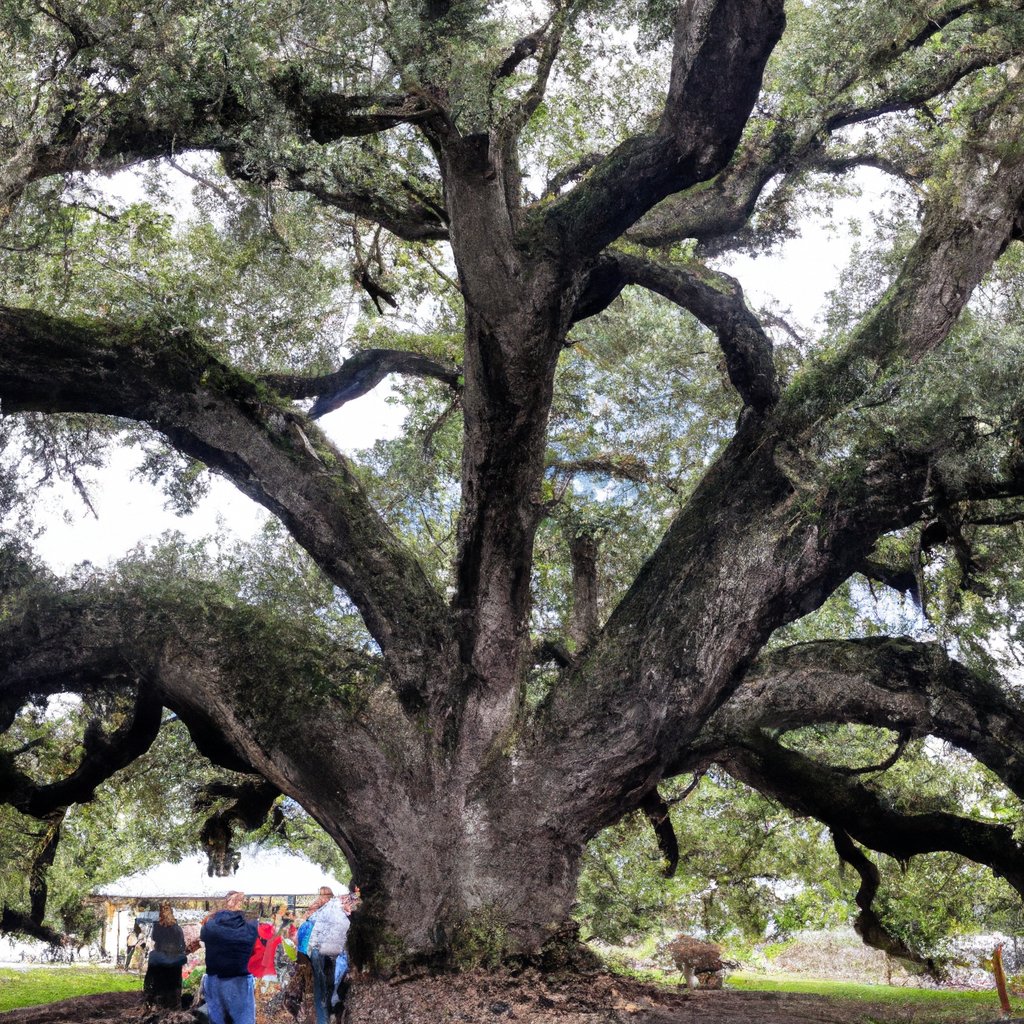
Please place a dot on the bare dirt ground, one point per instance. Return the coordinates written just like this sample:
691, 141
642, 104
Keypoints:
528, 998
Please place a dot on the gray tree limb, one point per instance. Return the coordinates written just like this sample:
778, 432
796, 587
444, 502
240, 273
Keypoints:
890, 682
715, 42
274, 455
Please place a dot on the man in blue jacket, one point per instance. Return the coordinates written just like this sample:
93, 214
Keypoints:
229, 939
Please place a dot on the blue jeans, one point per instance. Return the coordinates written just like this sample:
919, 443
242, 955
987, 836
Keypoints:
230, 1000
322, 988
340, 970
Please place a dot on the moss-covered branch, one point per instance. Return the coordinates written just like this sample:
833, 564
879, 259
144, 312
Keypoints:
266, 693
240, 428
895, 683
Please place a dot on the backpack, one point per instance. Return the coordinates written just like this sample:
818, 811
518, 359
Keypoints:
330, 929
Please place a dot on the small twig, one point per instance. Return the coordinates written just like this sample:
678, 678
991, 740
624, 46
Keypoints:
83, 493
201, 179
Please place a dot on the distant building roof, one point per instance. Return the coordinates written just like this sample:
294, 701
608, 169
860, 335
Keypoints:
261, 872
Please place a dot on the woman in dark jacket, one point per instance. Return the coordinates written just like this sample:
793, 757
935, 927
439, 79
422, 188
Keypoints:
166, 958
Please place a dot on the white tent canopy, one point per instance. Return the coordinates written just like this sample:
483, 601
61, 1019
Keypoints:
261, 872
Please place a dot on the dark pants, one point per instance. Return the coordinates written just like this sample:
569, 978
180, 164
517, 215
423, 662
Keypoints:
162, 985
298, 985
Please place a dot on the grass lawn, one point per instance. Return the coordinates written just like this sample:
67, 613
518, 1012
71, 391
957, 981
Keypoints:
942, 1004
40, 985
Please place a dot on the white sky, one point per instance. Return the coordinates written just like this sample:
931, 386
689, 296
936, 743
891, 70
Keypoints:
261, 872
797, 277
131, 511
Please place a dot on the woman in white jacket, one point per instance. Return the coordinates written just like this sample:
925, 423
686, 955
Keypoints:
327, 942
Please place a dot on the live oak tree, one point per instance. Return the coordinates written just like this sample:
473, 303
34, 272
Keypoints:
501, 707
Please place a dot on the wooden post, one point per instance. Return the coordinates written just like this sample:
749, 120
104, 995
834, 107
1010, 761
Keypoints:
997, 970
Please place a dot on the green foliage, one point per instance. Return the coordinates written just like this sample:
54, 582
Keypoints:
632, 428
748, 870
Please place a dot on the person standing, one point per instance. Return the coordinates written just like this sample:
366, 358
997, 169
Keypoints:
229, 939
302, 977
327, 943
162, 984
135, 947
349, 903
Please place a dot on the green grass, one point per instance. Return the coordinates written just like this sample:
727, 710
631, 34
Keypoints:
952, 1005
40, 985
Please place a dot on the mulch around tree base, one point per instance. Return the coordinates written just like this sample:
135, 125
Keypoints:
528, 998
95, 1009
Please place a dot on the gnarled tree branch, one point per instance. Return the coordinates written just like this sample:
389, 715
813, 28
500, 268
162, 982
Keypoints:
717, 301
895, 683
809, 787
17, 922
716, 42
251, 803
723, 206
359, 374
657, 813
258, 678
868, 924
409, 210
213, 413
102, 756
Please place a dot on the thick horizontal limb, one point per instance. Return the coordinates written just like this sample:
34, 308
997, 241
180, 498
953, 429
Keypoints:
844, 804
327, 116
17, 922
274, 455
275, 697
895, 683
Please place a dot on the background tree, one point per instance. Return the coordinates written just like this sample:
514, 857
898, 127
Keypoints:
503, 669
